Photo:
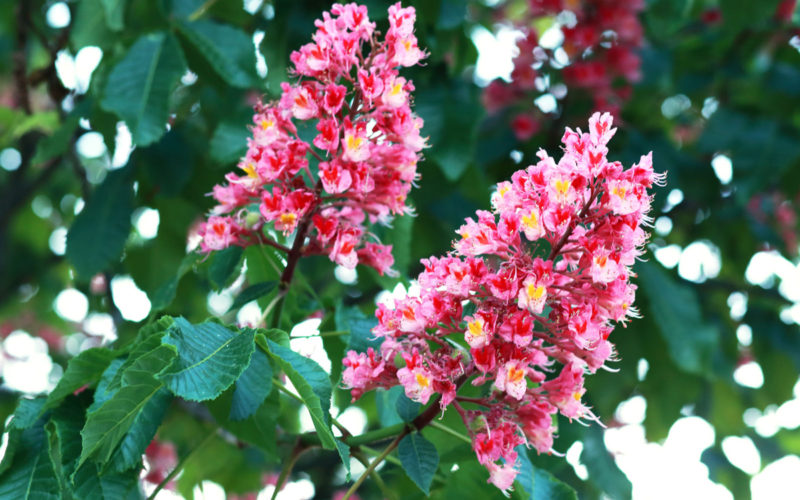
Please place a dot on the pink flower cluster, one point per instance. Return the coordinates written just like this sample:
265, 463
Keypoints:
360, 164
600, 42
526, 300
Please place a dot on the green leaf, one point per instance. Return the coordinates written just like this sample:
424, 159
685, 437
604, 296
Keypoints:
229, 142
165, 294
141, 433
452, 114
386, 401
84, 369
89, 26
360, 327
59, 141
601, 466
419, 458
228, 50
257, 429
252, 388
407, 409
539, 484
115, 11
139, 86
30, 475
344, 454
676, 310
90, 483
97, 237
108, 425
253, 292
223, 264
147, 339
313, 386
210, 359
27, 413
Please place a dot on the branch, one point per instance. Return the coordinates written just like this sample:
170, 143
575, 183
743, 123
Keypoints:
20, 56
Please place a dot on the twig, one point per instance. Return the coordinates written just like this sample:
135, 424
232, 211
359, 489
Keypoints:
374, 464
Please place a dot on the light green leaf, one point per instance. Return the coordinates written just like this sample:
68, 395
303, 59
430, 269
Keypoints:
139, 86
89, 26
313, 385
210, 359
228, 50
108, 425
419, 458
97, 237
676, 310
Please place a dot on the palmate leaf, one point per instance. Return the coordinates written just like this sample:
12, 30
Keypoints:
228, 50
419, 458
313, 385
210, 359
139, 86
98, 235
107, 425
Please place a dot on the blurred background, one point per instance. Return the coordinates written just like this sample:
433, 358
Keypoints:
118, 116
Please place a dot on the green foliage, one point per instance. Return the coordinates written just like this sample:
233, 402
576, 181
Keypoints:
139, 86
313, 386
419, 458
106, 219
209, 359
738, 79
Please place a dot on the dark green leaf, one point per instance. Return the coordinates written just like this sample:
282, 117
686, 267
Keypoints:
253, 292
165, 294
407, 409
141, 433
351, 319
313, 386
386, 401
229, 51
139, 86
106, 218
253, 387
419, 458
30, 475
27, 413
223, 264
229, 142
89, 26
84, 369
675, 308
108, 425
344, 454
601, 466
210, 359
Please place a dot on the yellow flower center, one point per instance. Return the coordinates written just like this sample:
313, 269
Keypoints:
618, 191
562, 186
265, 124
475, 328
396, 89
250, 170
422, 380
530, 221
535, 292
354, 142
577, 396
515, 375
288, 219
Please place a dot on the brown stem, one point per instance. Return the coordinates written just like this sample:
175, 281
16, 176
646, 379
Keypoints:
557, 248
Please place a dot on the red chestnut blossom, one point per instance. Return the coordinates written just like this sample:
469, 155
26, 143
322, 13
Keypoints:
601, 39
360, 165
525, 302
